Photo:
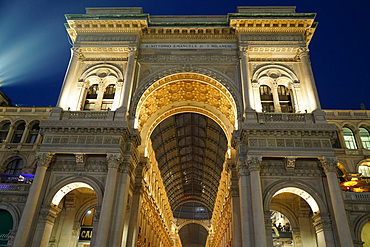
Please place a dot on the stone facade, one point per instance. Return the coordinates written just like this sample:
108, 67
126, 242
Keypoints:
166, 122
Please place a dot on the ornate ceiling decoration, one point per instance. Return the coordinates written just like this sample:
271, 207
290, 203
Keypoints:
190, 149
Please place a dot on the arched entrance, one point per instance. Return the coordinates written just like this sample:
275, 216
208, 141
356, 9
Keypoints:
186, 122
6, 226
193, 235
302, 210
365, 234
68, 210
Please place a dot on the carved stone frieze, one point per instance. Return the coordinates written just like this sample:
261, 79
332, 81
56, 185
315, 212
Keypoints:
187, 58
96, 165
271, 37
98, 38
82, 139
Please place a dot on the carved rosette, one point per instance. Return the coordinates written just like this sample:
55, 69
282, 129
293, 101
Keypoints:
44, 159
254, 163
114, 160
329, 164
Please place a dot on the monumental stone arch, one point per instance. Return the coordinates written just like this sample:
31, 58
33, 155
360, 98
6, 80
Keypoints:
194, 96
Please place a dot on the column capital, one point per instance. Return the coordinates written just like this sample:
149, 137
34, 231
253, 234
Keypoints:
131, 50
76, 52
243, 167
44, 159
254, 163
114, 160
243, 50
303, 52
329, 164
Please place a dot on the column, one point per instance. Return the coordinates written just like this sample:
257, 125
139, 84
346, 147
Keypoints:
129, 76
324, 235
245, 202
122, 199
268, 228
309, 81
99, 99
305, 225
136, 203
69, 219
246, 80
330, 165
257, 96
276, 97
45, 226
82, 87
297, 240
235, 203
107, 204
10, 134
296, 96
118, 95
70, 77
254, 163
43, 161
25, 134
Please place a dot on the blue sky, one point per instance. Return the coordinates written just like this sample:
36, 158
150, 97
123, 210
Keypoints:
34, 48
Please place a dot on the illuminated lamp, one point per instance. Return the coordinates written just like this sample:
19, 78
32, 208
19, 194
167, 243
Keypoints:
352, 184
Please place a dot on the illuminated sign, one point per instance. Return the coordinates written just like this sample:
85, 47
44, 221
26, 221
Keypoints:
86, 233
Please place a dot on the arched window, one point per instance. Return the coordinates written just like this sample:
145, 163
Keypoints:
349, 138
108, 97
365, 138
109, 92
34, 133
4, 131
267, 99
18, 132
14, 166
364, 169
285, 99
91, 96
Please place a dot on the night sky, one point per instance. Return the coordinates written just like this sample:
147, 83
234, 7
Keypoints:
34, 46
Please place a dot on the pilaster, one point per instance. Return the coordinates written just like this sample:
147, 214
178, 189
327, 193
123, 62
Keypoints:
329, 165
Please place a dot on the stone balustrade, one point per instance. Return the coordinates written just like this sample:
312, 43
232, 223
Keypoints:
285, 117
6, 187
356, 196
32, 110
347, 114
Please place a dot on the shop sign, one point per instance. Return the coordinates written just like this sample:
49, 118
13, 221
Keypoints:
86, 233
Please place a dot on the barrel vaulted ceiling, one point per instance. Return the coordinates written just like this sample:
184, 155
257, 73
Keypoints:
190, 149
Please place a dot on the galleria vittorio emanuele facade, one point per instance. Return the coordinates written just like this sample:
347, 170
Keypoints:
186, 131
